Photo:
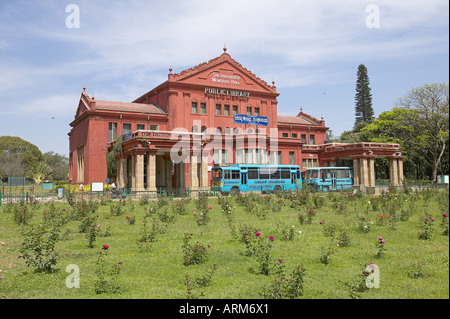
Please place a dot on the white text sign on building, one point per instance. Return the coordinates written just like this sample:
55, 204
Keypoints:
216, 91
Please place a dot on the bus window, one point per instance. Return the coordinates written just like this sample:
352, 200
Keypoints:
227, 175
285, 173
217, 174
343, 173
253, 173
313, 174
274, 173
234, 174
264, 173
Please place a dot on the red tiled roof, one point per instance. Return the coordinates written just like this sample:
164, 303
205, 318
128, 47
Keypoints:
127, 107
294, 120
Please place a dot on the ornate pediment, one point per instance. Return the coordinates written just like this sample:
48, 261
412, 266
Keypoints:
223, 72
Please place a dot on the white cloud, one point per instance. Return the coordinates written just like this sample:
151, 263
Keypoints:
58, 105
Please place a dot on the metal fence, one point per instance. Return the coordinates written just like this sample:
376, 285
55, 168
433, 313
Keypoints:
49, 192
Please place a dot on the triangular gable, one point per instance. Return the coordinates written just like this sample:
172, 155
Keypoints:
83, 105
309, 118
223, 72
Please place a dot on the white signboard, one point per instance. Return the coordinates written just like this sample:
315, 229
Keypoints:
97, 187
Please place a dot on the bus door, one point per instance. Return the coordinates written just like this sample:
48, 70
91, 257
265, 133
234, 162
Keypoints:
333, 180
243, 178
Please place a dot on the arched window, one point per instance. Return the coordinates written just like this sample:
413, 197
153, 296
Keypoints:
218, 130
203, 129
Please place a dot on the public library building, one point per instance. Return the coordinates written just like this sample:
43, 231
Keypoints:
216, 113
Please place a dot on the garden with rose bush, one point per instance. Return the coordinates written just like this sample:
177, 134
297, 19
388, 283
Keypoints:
290, 245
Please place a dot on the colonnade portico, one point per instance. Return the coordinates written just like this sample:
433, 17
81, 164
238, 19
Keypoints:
364, 172
139, 171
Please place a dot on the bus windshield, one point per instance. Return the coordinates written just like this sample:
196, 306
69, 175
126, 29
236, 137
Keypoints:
217, 174
312, 174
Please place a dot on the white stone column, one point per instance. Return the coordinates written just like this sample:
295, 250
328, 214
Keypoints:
204, 173
119, 179
393, 171
400, 171
151, 172
364, 172
356, 172
133, 171
193, 172
140, 171
371, 171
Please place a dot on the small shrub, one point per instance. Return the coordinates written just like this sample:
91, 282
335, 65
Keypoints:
22, 215
107, 274
426, 229
38, 247
193, 253
285, 286
381, 247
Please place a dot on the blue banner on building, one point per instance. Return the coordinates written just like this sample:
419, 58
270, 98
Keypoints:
251, 120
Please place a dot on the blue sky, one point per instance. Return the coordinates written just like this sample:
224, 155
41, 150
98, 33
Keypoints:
122, 49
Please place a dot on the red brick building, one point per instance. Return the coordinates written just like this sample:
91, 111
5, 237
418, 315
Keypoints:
175, 132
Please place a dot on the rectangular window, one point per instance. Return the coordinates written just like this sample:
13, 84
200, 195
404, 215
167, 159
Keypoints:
112, 132
249, 111
257, 111
249, 156
253, 173
312, 139
285, 173
292, 158
227, 130
303, 138
218, 109
275, 173
226, 110
194, 107
154, 127
235, 110
80, 151
294, 135
304, 163
126, 128
285, 134
239, 156
224, 159
203, 108
264, 173
216, 157
257, 156
235, 175
141, 127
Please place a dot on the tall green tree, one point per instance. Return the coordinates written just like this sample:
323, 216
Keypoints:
24, 154
363, 97
420, 124
430, 102
59, 165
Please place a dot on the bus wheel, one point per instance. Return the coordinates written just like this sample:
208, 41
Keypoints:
234, 191
325, 189
277, 189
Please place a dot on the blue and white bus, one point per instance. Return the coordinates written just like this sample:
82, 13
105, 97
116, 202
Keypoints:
329, 178
237, 178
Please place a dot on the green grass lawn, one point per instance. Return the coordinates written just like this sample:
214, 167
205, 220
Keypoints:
409, 268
